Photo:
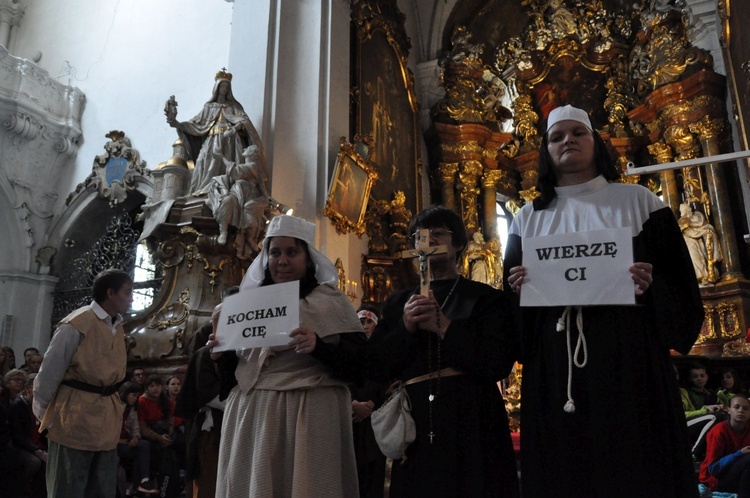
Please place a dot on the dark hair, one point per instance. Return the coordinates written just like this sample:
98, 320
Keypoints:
164, 404
369, 307
129, 388
547, 180
308, 282
442, 217
230, 291
32, 348
109, 279
738, 385
696, 366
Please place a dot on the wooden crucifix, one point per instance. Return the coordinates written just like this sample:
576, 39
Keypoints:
423, 251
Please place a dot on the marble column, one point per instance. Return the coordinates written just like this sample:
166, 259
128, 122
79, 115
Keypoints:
664, 154
708, 130
489, 198
447, 172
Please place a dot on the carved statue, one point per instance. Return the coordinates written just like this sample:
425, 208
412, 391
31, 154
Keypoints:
480, 260
239, 198
703, 244
217, 135
461, 49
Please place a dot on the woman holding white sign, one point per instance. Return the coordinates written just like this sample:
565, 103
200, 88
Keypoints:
287, 423
601, 414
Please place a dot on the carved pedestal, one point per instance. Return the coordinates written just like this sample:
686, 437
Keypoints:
196, 272
727, 306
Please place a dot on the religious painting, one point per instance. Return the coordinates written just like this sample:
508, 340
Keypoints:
349, 190
569, 82
386, 108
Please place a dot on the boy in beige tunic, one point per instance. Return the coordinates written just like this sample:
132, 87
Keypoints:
75, 392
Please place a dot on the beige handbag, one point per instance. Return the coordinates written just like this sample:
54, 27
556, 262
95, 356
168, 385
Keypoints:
392, 423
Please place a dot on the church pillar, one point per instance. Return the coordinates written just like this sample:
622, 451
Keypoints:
447, 172
663, 154
708, 129
489, 202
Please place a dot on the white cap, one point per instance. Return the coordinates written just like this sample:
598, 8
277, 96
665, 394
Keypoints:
290, 226
568, 112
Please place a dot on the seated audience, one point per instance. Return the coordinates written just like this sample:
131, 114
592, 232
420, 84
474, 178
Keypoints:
30, 445
4, 362
726, 467
699, 394
156, 418
26, 355
14, 380
139, 377
33, 364
731, 384
134, 452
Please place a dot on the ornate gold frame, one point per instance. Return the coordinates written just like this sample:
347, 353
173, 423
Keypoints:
352, 176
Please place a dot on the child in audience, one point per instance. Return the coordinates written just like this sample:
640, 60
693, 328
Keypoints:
727, 456
730, 385
699, 394
133, 451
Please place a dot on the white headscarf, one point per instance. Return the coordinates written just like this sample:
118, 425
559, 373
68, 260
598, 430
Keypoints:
568, 112
290, 226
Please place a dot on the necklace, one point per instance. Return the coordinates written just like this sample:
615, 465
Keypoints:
431, 396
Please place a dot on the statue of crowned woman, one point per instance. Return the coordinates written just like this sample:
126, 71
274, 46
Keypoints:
217, 135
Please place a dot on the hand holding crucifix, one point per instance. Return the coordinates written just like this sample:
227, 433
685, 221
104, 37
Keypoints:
422, 310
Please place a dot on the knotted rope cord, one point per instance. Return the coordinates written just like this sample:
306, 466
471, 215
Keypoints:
563, 323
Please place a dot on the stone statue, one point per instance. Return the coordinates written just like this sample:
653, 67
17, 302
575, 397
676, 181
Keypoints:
479, 261
702, 242
240, 199
217, 135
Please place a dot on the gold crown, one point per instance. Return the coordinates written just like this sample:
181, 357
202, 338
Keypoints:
223, 75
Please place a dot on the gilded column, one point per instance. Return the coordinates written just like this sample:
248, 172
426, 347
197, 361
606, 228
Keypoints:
683, 142
707, 130
468, 179
447, 173
663, 154
489, 197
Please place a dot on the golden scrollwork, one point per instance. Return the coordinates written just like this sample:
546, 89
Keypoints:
448, 172
468, 176
491, 177
707, 128
173, 314
529, 195
728, 320
469, 147
525, 119
682, 141
662, 152
708, 331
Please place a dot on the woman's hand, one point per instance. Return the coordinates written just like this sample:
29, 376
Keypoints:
515, 278
361, 410
165, 441
423, 312
211, 344
303, 340
641, 275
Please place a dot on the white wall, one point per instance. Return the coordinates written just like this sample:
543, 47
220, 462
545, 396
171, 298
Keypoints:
128, 57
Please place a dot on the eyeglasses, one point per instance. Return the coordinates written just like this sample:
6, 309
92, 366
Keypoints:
438, 233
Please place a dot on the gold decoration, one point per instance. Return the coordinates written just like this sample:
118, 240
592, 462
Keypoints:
470, 171
728, 320
529, 195
173, 314
707, 128
524, 122
471, 147
223, 75
661, 152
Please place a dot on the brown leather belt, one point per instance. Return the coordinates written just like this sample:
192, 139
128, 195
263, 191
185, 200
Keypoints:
444, 372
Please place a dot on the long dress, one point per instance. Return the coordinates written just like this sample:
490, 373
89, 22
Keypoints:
287, 429
471, 453
627, 436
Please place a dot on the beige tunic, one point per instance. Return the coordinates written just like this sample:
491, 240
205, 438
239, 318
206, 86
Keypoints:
287, 425
83, 420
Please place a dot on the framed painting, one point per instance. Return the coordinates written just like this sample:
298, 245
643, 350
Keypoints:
384, 103
349, 190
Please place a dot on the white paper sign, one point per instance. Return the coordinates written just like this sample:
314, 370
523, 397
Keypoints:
258, 318
579, 269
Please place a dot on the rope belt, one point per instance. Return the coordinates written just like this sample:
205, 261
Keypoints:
90, 388
563, 323
442, 373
